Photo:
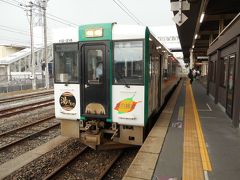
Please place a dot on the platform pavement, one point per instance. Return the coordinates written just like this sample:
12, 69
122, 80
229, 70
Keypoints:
144, 163
222, 141
170, 160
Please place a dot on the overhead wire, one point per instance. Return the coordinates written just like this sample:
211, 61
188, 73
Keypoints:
9, 30
127, 11
13, 30
61, 19
130, 12
12, 4
54, 18
16, 40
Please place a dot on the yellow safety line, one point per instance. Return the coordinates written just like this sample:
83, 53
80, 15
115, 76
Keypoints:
180, 113
192, 161
202, 145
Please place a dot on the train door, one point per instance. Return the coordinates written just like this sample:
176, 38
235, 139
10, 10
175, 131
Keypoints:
95, 84
230, 85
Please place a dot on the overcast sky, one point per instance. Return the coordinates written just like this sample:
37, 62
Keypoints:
149, 12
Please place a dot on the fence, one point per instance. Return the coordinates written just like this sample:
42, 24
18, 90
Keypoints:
19, 83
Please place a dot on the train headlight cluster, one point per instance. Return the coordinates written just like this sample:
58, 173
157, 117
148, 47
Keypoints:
98, 32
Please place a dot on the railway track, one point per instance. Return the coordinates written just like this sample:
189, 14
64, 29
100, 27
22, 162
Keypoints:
28, 144
24, 108
80, 166
65, 163
22, 97
71, 160
19, 134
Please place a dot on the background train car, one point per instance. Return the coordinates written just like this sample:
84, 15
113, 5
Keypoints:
109, 83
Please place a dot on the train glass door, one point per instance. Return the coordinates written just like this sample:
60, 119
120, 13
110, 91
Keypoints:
95, 84
230, 85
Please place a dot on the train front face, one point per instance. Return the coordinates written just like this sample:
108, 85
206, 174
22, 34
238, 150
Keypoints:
99, 87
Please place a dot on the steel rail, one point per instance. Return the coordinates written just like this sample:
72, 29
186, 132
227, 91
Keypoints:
15, 98
70, 160
66, 163
26, 125
24, 108
117, 155
30, 135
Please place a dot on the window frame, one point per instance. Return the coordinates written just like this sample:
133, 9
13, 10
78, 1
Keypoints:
78, 69
113, 62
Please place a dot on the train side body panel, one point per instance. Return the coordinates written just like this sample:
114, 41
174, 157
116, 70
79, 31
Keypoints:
128, 105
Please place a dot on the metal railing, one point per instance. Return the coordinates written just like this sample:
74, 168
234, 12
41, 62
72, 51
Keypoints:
19, 83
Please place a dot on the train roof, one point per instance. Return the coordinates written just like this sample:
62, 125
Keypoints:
120, 32
112, 31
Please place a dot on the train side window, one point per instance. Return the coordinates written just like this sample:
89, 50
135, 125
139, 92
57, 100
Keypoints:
128, 62
66, 67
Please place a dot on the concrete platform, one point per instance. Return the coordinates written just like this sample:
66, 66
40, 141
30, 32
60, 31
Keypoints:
14, 164
223, 141
162, 156
144, 163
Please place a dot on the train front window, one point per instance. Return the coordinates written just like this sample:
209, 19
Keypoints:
128, 62
66, 67
95, 66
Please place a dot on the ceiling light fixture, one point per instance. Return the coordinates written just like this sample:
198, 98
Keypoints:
202, 17
196, 35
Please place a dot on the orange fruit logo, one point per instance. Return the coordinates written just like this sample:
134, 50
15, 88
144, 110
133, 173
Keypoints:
126, 105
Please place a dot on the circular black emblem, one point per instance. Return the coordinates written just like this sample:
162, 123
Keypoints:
67, 101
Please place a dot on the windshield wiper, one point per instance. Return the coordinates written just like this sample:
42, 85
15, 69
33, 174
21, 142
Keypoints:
122, 79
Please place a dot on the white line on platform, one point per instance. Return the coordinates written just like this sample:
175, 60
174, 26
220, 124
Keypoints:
206, 175
209, 117
209, 109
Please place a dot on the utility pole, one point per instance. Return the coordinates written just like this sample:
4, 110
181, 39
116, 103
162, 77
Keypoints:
45, 44
32, 47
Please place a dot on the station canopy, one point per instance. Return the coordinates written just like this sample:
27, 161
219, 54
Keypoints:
215, 15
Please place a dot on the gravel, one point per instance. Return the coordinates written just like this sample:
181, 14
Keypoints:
12, 122
118, 170
28, 144
88, 165
41, 167
25, 101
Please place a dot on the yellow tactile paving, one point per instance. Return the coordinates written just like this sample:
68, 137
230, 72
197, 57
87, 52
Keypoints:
192, 162
195, 155
203, 149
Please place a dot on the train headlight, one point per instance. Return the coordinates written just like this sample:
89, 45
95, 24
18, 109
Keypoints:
97, 32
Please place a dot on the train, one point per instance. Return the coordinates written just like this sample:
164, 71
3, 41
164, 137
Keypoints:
110, 82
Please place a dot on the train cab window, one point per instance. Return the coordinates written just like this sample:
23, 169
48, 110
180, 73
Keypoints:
95, 66
128, 62
66, 67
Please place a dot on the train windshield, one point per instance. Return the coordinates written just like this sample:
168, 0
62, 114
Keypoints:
128, 62
66, 67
